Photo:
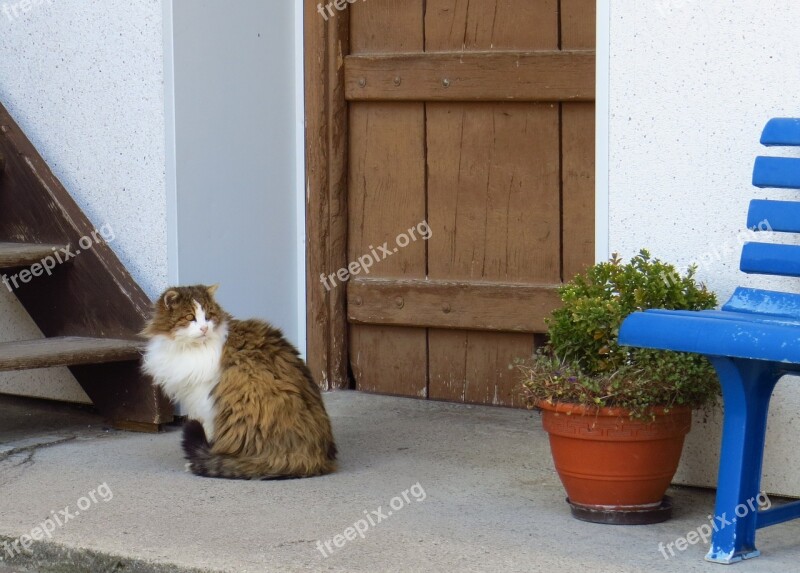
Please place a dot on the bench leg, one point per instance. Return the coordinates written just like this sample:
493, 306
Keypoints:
747, 386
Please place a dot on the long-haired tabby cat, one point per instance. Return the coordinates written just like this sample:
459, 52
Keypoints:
254, 410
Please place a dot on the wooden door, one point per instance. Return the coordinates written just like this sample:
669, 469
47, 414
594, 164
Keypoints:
473, 122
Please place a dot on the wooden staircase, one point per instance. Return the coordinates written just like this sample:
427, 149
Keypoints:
77, 291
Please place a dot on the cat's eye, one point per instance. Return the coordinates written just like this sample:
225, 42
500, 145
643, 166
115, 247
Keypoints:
190, 317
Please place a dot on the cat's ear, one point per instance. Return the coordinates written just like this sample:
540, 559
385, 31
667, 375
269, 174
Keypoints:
212, 289
169, 298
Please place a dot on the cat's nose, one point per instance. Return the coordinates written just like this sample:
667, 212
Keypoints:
204, 328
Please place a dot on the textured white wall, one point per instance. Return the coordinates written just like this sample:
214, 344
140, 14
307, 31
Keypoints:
83, 78
692, 83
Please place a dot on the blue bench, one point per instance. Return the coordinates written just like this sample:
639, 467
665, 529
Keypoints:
752, 342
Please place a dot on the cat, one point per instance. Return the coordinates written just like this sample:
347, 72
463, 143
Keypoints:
254, 410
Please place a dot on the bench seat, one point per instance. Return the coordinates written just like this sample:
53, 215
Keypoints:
717, 333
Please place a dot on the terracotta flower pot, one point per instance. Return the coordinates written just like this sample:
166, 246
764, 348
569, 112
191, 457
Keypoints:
615, 470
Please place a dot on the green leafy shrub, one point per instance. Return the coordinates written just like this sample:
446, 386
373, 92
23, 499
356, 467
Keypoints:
583, 362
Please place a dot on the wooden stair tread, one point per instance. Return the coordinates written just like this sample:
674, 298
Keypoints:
24, 254
66, 351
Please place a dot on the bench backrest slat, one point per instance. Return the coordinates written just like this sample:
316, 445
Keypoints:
781, 131
771, 259
778, 172
778, 216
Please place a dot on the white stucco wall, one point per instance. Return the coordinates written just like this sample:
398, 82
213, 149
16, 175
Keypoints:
692, 83
84, 79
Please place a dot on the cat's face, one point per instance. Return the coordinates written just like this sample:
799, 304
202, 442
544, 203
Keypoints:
186, 314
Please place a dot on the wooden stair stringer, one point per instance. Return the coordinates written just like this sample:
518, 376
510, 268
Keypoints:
92, 295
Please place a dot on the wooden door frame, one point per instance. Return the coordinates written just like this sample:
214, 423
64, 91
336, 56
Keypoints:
326, 42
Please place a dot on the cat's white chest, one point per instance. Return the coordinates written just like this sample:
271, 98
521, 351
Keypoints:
187, 373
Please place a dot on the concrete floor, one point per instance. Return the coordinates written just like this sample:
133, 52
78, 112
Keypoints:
491, 502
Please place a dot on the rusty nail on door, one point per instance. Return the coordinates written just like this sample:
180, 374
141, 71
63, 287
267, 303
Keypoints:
446, 308
446, 83
357, 301
362, 82
397, 80
399, 302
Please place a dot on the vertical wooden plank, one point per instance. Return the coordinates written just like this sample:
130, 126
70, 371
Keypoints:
387, 197
386, 26
493, 198
493, 192
578, 188
578, 148
455, 25
494, 211
326, 42
578, 24
474, 367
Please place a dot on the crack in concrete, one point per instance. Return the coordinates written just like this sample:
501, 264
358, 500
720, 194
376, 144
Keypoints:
28, 458
33, 448
12, 468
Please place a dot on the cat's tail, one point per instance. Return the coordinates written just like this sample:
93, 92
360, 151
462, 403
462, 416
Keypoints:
195, 444
203, 462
